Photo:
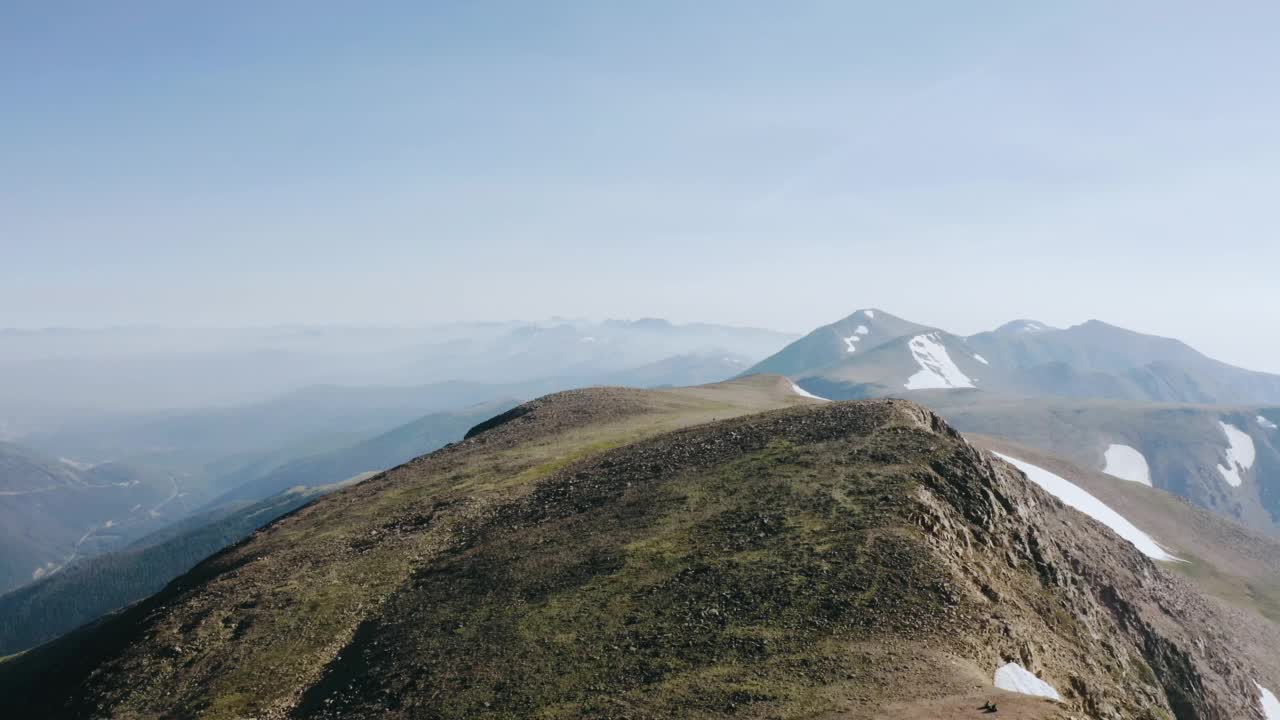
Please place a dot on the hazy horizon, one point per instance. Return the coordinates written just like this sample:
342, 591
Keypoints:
263, 164
549, 321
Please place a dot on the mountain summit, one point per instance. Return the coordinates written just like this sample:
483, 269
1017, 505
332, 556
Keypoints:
1019, 327
857, 334
657, 554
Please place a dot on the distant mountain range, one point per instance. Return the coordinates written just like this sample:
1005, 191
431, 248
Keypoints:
1142, 407
54, 377
872, 353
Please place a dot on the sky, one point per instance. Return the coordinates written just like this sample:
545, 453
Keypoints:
767, 164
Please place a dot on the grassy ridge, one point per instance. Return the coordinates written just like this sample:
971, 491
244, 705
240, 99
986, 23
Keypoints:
303, 588
621, 553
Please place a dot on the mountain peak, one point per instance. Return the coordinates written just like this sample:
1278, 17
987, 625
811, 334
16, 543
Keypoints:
648, 323
1024, 325
1100, 329
855, 334
870, 314
1102, 325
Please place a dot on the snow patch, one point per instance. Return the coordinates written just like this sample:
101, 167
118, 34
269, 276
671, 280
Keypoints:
936, 368
1127, 463
871, 314
980, 359
851, 343
1240, 454
1015, 678
805, 393
1072, 495
1264, 422
1270, 706
862, 330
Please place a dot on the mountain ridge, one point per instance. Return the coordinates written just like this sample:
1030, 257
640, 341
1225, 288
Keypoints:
1111, 361
733, 548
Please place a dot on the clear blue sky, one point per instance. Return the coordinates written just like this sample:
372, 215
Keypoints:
774, 164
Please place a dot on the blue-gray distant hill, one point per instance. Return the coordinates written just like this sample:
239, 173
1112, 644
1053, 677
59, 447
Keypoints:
374, 454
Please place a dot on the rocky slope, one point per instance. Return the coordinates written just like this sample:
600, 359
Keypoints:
1237, 567
616, 553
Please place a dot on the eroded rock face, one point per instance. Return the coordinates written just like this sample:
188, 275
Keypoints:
1142, 623
833, 559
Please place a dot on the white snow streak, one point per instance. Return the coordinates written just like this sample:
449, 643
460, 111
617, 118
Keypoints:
1015, 678
1270, 706
936, 368
851, 342
1072, 495
870, 314
1240, 454
980, 359
1127, 463
805, 393
1266, 423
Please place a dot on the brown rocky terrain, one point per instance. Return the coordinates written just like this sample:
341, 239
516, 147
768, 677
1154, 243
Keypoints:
1237, 568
